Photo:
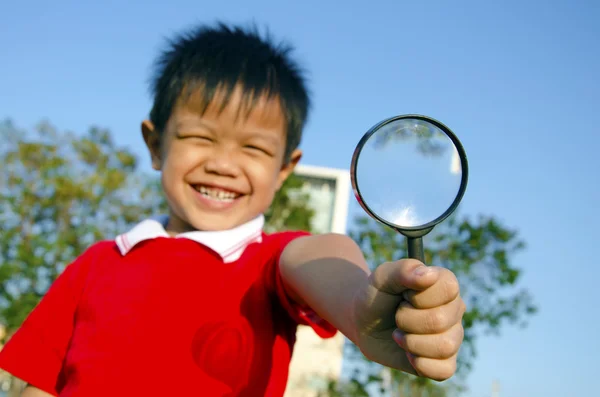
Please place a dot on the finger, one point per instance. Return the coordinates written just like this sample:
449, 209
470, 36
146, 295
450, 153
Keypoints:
429, 321
396, 277
432, 368
439, 346
445, 290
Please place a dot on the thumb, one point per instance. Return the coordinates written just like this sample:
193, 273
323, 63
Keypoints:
396, 277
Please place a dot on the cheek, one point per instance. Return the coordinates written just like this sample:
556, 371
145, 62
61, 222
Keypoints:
177, 163
264, 178
180, 159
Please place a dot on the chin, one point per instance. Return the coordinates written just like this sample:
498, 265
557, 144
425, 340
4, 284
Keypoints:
212, 228
216, 225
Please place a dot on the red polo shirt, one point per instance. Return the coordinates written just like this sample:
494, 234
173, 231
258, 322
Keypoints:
161, 316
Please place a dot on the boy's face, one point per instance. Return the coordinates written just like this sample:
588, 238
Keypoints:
223, 168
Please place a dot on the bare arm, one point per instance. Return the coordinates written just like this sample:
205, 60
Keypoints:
31, 391
325, 272
404, 315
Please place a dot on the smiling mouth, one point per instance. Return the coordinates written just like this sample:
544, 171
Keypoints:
217, 194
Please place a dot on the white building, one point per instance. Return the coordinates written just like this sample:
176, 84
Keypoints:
315, 359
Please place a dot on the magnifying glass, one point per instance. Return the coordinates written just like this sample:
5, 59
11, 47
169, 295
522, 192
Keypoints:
409, 172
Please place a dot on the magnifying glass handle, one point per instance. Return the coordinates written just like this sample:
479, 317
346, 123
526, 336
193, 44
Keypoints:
415, 248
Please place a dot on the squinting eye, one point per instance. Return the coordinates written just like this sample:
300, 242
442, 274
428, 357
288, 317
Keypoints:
256, 148
198, 138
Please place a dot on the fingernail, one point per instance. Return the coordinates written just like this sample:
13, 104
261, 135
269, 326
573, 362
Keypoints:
398, 337
422, 270
411, 359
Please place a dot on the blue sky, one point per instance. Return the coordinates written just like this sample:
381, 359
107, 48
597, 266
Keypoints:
517, 81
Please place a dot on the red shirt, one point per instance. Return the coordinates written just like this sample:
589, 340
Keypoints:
170, 318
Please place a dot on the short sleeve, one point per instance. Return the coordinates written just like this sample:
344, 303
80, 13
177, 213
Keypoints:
35, 353
302, 315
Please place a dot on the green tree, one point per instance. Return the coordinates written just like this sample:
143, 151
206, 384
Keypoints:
290, 209
59, 192
480, 252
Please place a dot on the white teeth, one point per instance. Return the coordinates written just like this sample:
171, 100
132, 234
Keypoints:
216, 194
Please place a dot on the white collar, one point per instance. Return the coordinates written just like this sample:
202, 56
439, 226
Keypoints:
229, 244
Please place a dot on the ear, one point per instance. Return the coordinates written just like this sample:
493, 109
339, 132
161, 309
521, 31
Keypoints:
152, 139
288, 167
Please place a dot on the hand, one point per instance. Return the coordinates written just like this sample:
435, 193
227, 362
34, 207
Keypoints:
409, 317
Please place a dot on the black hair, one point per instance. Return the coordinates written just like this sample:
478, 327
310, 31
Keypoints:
206, 59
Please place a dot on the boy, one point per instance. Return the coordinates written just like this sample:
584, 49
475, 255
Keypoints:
203, 303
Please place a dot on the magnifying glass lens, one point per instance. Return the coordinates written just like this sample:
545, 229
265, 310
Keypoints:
409, 172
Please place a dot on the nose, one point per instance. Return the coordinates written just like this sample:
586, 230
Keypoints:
223, 162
